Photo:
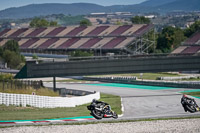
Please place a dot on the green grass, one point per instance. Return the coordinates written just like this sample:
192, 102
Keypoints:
30, 90
148, 76
33, 113
195, 94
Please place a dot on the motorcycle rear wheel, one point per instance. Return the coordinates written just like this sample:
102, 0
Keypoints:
190, 108
97, 114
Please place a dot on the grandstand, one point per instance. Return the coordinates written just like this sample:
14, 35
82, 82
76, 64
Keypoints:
104, 38
190, 46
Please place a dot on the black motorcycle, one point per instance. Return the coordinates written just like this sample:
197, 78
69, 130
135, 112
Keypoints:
189, 104
101, 110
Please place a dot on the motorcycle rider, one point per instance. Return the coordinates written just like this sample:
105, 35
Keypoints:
108, 107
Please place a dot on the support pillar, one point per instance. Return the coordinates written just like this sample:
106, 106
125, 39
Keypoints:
54, 83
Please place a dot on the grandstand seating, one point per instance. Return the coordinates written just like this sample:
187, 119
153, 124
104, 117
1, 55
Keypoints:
56, 31
9, 32
58, 43
3, 42
90, 43
79, 43
142, 30
179, 49
4, 32
107, 31
97, 31
18, 32
36, 32
86, 31
76, 30
133, 29
74, 37
125, 42
22, 41
24, 34
28, 43
17, 39
102, 42
68, 43
38, 43
193, 39
114, 42
65, 31
47, 43
45, 32
120, 30
190, 50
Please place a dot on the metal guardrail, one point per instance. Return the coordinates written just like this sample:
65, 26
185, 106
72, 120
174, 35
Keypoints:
128, 56
195, 85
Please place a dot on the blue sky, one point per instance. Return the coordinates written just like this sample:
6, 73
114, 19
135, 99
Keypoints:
16, 3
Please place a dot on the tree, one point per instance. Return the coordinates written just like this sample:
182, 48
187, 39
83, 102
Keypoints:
38, 22
11, 54
192, 29
140, 20
12, 59
85, 22
170, 38
11, 45
53, 23
34, 56
1, 51
79, 53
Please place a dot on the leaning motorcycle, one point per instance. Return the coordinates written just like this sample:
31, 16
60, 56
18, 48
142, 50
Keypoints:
189, 104
101, 110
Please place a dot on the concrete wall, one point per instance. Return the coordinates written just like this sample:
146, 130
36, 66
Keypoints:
110, 66
45, 101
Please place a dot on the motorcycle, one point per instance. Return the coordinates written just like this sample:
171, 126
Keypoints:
189, 104
101, 110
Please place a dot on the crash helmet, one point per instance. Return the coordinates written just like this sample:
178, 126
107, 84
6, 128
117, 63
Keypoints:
94, 100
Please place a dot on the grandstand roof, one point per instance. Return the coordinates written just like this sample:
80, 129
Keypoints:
75, 37
190, 46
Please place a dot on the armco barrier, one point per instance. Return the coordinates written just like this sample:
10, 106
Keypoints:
148, 83
45, 101
64, 91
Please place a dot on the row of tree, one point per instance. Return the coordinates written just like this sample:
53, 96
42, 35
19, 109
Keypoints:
171, 37
10, 54
40, 22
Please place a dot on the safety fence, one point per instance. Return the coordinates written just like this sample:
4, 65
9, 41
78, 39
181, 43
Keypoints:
177, 84
178, 78
126, 78
20, 84
45, 101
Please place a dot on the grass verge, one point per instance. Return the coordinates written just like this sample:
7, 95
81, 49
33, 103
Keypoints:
33, 113
195, 94
30, 90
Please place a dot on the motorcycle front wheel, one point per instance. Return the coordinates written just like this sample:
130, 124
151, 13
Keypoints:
115, 116
97, 114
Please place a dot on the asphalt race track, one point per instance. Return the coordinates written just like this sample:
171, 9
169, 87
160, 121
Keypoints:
140, 101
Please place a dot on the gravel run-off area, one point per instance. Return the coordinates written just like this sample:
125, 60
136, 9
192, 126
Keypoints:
160, 126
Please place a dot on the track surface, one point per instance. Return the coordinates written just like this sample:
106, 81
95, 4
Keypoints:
140, 103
